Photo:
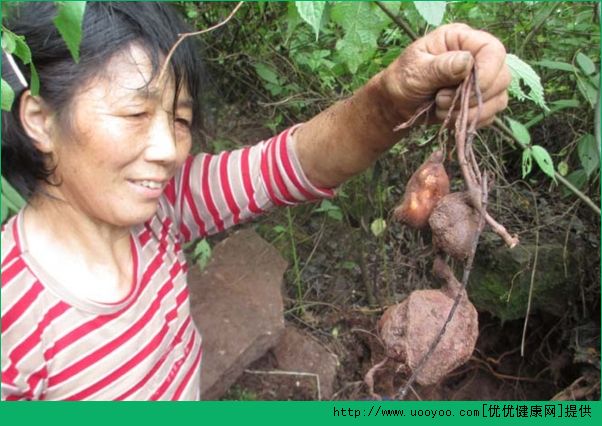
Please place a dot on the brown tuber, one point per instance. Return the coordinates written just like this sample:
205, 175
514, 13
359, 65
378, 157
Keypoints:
426, 187
455, 225
408, 328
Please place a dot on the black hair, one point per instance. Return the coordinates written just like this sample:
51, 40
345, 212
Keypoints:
108, 28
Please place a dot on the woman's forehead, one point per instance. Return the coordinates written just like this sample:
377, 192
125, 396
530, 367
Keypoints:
129, 73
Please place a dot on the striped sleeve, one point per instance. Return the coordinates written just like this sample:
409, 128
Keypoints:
24, 373
214, 192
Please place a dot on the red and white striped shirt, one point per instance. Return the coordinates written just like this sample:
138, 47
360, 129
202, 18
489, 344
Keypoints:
57, 346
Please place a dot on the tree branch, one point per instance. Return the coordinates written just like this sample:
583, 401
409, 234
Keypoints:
398, 20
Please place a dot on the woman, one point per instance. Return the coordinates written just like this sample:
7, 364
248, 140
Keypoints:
94, 297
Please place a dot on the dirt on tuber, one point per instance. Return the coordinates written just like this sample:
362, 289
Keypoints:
425, 188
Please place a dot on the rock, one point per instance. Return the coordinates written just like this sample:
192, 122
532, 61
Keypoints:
236, 303
501, 277
297, 352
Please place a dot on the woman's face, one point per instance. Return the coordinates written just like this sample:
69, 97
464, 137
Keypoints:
125, 142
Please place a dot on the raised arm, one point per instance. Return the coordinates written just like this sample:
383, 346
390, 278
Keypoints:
349, 136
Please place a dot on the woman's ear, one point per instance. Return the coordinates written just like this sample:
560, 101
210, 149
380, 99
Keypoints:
37, 120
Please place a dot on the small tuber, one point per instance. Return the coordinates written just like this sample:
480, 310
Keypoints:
454, 224
426, 187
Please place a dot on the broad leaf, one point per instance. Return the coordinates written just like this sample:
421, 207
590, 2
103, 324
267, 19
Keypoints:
520, 132
378, 226
563, 168
527, 163
266, 73
311, 12
8, 41
362, 25
202, 253
543, 160
586, 64
578, 178
431, 11
68, 21
555, 65
16, 202
523, 71
8, 96
5, 211
588, 154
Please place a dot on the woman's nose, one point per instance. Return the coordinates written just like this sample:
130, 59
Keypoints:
161, 146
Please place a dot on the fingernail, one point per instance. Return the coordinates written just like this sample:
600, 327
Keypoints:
460, 62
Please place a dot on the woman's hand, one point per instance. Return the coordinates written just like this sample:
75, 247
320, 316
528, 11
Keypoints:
433, 66
349, 136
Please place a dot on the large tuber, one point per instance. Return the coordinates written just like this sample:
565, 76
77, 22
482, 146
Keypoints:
408, 328
455, 225
426, 187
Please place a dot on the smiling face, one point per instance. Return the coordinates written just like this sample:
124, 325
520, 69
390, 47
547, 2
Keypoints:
125, 141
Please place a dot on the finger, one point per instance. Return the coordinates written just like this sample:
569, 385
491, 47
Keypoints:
500, 84
449, 69
488, 110
488, 51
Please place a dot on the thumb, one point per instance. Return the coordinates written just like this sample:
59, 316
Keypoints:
450, 68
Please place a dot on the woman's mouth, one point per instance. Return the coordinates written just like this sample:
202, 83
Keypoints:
148, 188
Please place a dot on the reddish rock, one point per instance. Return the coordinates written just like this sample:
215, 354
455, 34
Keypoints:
236, 303
297, 352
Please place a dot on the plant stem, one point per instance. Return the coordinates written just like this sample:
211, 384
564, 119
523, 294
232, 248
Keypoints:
398, 20
296, 268
538, 25
500, 124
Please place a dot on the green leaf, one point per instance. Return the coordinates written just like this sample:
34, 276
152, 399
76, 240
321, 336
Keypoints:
34, 84
266, 73
543, 160
202, 253
555, 106
588, 154
431, 11
378, 226
555, 65
585, 63
331, 210
69, 23
8, 96
8, 41
578, 178
588, 91
5, 211
527, 162
12, 196
362, 25
22, 50
311, 12
520, 132
563, 168
521, 71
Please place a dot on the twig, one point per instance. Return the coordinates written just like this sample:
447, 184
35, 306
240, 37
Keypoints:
398, 20
183, 36
532, 284
542, 20
500, 124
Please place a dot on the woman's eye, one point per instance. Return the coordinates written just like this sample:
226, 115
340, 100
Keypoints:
137, 115
183, 122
